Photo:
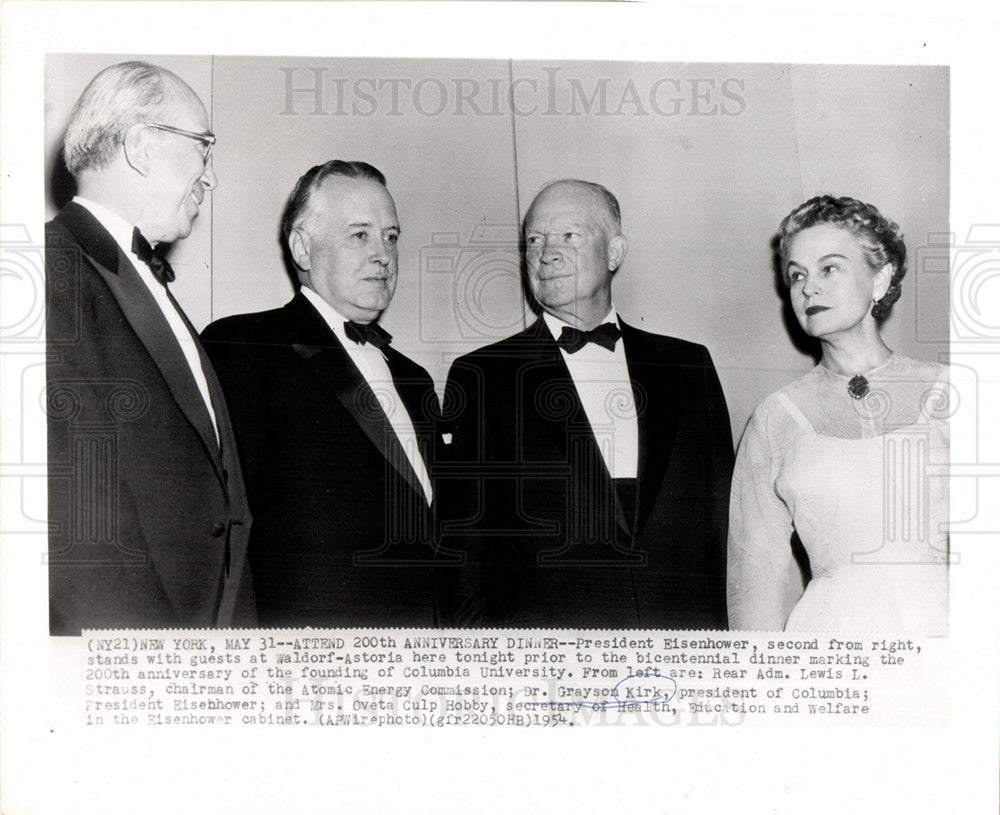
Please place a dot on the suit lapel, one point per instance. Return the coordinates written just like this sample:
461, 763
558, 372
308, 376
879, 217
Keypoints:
556, 406
414, 393
227, 441
331, 363
652, 384
146, 319
550, 396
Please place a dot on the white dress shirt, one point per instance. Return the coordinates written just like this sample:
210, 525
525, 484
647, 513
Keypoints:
374, 368
605, 390
121, 231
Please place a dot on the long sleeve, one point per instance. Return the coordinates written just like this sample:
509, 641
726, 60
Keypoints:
760, 530
720, 452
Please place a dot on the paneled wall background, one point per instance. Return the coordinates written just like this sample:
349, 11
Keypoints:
705, 159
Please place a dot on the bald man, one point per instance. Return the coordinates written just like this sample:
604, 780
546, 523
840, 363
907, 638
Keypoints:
584, 464
149, 514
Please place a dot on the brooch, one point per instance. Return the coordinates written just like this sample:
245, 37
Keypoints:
858, 387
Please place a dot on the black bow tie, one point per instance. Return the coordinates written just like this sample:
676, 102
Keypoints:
152, 258
367, 332
573, 339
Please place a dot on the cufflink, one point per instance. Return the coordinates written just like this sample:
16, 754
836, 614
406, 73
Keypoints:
446, 438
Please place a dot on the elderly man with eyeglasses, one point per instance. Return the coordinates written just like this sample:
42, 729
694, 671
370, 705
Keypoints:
148, 511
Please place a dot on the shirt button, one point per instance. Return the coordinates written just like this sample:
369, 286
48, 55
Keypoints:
218, 529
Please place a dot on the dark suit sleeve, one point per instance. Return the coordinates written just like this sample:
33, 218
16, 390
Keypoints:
240, 366
89, 550
459, 482
80, 576
721, 443
719, 469
135, 501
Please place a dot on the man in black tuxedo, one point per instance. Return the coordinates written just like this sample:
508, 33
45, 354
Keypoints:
149, 514
335, 426
585, 464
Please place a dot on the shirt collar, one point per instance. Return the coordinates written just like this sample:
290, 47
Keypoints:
118, 227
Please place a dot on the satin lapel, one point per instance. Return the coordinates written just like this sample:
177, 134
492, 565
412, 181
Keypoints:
551, 399
334, 366
224, 424
424, 416
652, 383
146, 320
92, 237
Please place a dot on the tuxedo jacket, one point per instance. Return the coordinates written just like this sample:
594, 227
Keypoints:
343, 535
548, 538
149, 519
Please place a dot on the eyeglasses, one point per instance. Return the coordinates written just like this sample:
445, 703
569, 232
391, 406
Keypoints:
208, 139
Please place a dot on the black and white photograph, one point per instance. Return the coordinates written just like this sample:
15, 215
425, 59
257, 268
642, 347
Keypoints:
553, 485
371, 398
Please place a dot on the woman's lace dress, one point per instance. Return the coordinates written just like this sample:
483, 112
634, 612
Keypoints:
864, 484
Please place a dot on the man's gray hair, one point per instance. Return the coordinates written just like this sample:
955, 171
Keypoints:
117, 98
612, 211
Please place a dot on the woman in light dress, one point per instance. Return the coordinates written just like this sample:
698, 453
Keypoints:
852, 457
